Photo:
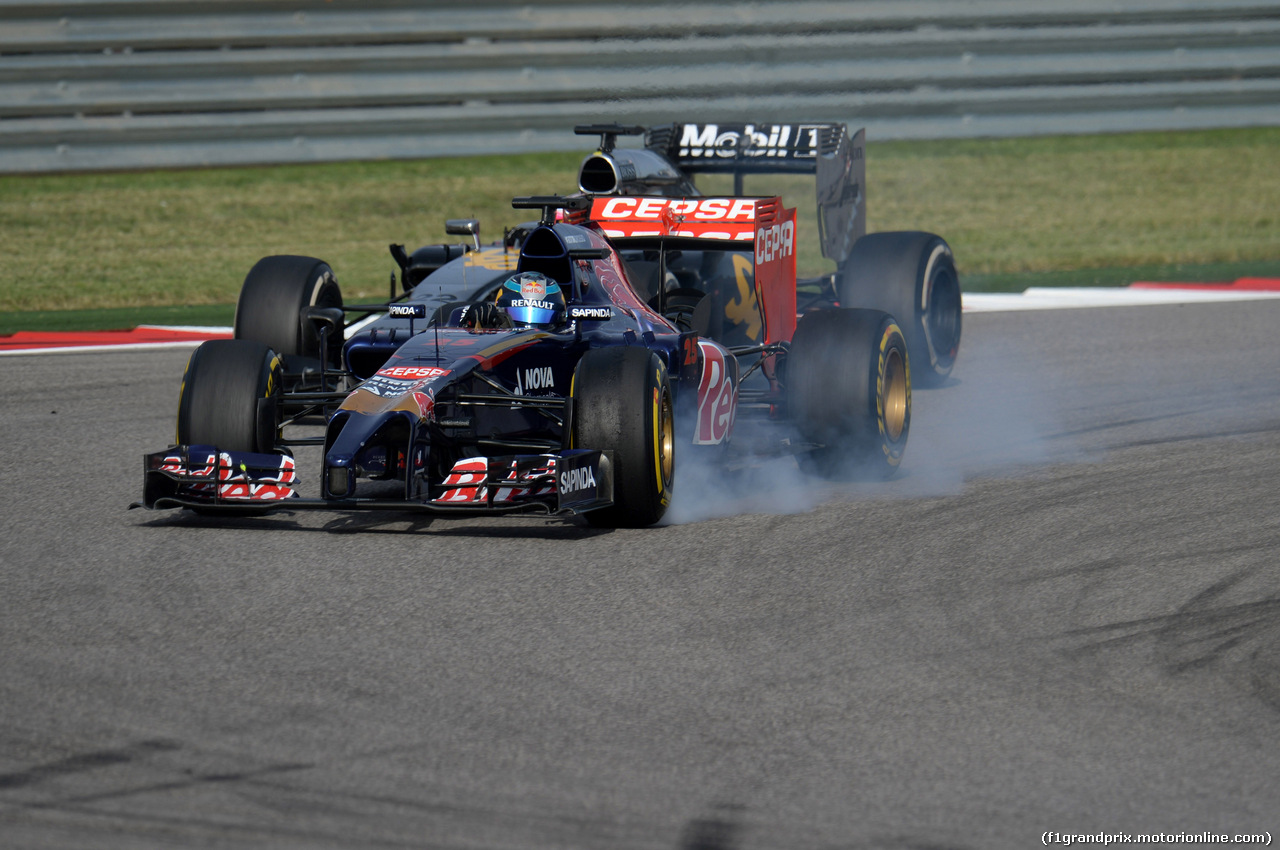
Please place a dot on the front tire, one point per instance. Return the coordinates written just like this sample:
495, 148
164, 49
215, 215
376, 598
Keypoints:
849, 391
273, 295
912, 276
230, 396
622, 403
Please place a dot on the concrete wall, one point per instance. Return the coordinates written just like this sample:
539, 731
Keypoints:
121, 84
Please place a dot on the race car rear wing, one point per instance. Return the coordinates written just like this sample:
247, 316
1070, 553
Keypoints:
745, 148
764, 224
674, 151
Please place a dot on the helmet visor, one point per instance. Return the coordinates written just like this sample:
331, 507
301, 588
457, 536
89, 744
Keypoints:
532, 301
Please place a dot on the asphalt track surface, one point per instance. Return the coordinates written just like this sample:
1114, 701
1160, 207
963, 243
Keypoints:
1063, 616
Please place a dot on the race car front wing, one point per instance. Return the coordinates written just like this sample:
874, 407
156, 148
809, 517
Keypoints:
571, 481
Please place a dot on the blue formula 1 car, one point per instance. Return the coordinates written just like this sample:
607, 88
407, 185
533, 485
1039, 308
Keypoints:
564, 370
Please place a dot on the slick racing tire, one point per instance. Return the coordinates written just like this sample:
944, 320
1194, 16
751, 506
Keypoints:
272, 297
622, 403
230, 397
848, 383
911, 276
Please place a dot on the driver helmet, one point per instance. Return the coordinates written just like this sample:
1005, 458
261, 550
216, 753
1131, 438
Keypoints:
532, 298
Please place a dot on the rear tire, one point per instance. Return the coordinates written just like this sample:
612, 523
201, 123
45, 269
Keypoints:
622, 403
849, 391
911, 276
268, 310
230, 397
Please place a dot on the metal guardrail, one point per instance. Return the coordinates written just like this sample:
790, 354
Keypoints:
118, 84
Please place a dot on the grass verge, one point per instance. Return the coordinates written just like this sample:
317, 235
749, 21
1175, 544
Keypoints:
117, 318
109, 250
